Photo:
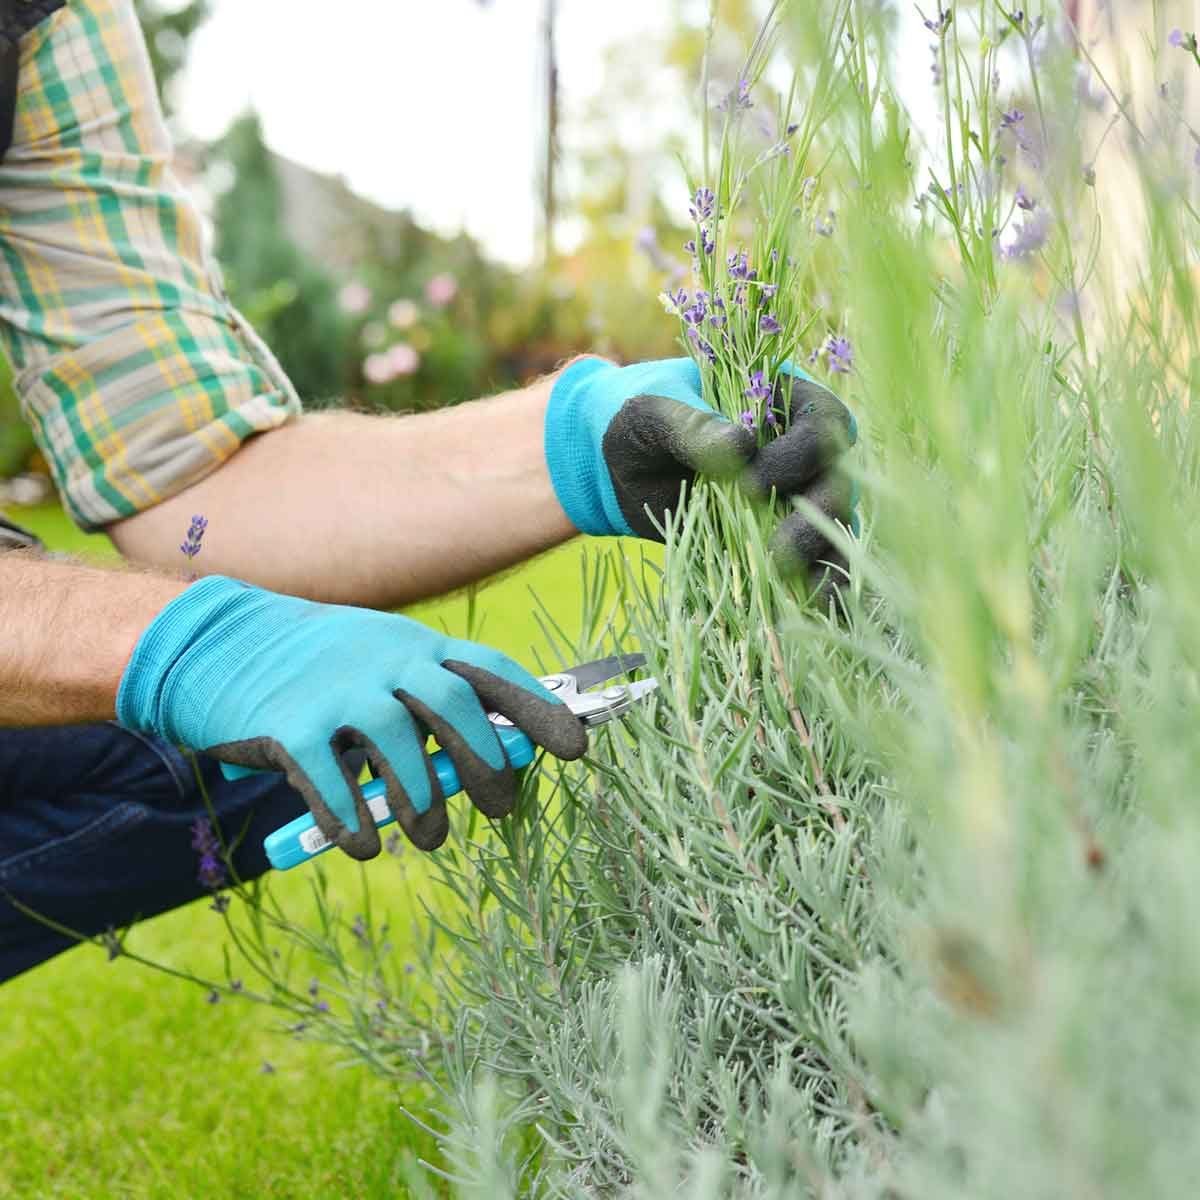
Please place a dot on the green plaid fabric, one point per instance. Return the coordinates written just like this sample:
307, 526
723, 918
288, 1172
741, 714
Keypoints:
137, 375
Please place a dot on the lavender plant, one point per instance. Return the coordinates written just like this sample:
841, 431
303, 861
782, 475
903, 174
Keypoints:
894, 904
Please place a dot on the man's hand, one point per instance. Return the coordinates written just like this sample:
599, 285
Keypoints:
621, 441
282, 684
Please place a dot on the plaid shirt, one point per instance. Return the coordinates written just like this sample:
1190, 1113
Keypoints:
136, 374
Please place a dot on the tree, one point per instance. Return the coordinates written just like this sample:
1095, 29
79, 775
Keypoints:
289, 298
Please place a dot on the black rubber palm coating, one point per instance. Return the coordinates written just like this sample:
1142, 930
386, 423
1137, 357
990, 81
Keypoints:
549, 723
426, 830
655, 445
817, 434
268, 754
797, 544
493, 791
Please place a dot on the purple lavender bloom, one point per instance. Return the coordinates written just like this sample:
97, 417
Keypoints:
841, 355
1025, 201
689, 247
194, 536
1089, 174
1011, 119
759, 389
314, 986
359, 929
214, 997
647, 239
1030, 236
675, 302
698, 310
940, 24
792, 129
739, 296
768, 324
704, 203
747, 419
707, 243
322, 1006
738, 265
704, 347
1175, 37
769, 290
211, 873
739, 100
717, 320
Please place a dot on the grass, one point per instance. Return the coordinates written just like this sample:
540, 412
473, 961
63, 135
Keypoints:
121, 1082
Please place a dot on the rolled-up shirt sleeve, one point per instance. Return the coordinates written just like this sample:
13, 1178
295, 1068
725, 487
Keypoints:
135, 372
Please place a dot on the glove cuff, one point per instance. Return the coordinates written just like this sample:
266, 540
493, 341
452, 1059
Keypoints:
576, 419
141, 696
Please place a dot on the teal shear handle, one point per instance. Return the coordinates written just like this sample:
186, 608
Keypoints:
300, 840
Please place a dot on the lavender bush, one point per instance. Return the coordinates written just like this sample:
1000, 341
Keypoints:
893, 902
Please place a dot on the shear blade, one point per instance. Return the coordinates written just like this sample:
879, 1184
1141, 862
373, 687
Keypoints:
588, 675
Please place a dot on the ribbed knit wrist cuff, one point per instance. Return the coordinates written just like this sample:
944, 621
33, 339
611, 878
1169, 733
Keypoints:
576, 419
167, 638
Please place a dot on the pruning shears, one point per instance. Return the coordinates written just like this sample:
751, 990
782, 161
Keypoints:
301, 840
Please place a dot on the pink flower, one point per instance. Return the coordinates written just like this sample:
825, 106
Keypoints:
355, 298
403, 359
377, 369
441, 289
403, 314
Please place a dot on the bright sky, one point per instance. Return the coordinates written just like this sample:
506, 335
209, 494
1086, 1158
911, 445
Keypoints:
432, 105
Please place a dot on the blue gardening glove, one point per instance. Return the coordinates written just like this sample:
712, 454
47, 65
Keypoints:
282, 684
620, 442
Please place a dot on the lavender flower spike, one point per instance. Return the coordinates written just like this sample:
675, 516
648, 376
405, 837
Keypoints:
841, 355
768, 324
739, 100
747, 419
194, 536
704, 347
211, 873
758, 389
703, 205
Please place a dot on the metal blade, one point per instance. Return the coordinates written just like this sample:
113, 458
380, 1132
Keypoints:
589, 674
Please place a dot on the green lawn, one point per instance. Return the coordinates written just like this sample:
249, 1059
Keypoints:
121, 1082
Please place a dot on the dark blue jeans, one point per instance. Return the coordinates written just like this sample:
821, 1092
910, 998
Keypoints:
95, 831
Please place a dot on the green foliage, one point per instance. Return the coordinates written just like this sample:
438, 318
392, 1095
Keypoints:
16, 439
291, 300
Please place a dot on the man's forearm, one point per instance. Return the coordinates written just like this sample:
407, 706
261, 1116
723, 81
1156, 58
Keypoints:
68, 631
377, 511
